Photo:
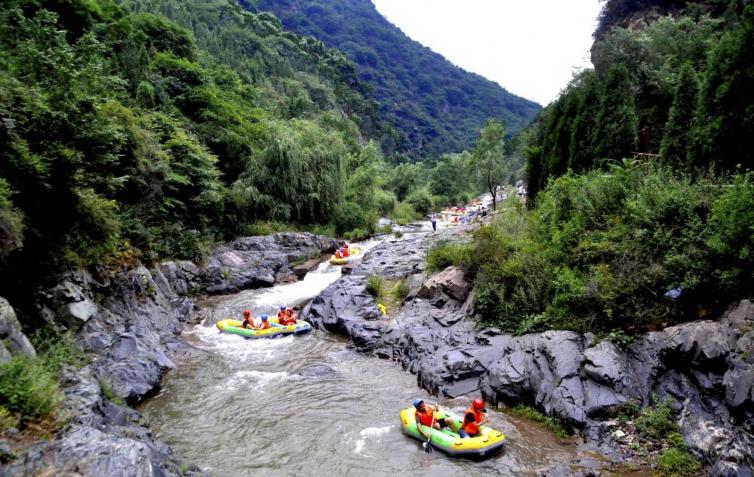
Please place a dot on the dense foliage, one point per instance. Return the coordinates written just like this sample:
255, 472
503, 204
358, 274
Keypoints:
434, 106
121, 136
636, 247
680, 87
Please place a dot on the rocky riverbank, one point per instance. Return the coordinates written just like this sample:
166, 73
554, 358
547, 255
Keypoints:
703, 369
130, 320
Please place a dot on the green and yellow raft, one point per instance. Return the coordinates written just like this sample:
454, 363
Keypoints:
343, 261
276, 329
486, 443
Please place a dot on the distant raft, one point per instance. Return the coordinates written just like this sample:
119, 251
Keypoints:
485, 444
344, 261
275, 329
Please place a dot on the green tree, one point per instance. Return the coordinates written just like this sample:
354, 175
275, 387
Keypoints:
726, 115
617, 122
676, 138
489, 161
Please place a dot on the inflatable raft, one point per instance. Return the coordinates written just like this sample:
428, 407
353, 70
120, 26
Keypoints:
486, 443
343, 261
275, 329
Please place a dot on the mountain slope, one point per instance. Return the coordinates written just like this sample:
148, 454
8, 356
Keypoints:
434, 106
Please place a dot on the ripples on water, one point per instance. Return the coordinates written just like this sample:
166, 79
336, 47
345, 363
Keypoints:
308, 405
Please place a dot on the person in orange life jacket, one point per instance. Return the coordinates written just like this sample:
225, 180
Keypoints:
288, 317
473, 419
248, 322
425, 415
338, 254
281, 314
264, 325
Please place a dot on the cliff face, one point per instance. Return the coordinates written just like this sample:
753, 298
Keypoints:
635, 14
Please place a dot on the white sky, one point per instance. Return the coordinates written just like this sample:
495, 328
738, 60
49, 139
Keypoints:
530, 47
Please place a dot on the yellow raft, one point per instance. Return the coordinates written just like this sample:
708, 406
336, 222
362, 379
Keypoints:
276, 329
486, 443
344, 260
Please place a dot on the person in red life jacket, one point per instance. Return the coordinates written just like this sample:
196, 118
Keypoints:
473, 419
431, 417
289, 318
265, 324
248, 322
338, 254
281, 314
346, 252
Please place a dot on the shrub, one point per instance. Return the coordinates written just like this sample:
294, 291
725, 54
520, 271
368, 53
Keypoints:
357, 235
675, 462
445, 254
56, 350
375, 285
7, 420
656, 423
405, 214
401, 290
265, 228
29, 388
421, 200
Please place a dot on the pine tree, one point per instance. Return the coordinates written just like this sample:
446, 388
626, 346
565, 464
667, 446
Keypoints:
581, 152
726, 114
617, 121
677, 135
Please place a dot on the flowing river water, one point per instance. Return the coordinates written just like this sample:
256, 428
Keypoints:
310, 405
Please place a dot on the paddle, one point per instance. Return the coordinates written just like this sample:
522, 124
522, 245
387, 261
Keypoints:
425, 445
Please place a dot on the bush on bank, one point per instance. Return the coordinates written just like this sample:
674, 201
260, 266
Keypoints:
633, 248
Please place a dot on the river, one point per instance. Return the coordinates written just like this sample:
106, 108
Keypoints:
310, 405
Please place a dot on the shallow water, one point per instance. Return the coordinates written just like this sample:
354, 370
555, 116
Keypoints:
309, 405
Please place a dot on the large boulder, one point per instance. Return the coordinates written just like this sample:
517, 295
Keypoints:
451, 282
69, 305
13, 342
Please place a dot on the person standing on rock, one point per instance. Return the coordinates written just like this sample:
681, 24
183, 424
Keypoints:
433, 219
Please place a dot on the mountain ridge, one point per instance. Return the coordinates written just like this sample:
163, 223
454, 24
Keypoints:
435, 106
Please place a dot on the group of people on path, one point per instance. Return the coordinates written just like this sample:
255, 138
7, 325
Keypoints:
431, 416
286, 316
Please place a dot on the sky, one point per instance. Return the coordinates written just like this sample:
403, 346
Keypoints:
530, 47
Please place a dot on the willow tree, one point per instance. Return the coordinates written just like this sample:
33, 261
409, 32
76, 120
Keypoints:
489, 160
298, 175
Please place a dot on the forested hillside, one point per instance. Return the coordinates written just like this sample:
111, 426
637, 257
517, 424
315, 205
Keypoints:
641, 206
679, 88
433, 106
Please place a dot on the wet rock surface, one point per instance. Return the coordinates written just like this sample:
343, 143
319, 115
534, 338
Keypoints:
130, 319
13, 342
102, 438
248, 262
704, 368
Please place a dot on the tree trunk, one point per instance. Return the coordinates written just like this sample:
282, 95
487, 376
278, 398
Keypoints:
494, 198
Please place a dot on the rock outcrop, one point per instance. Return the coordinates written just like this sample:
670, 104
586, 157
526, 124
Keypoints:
705, 369
248, 262
102, 438
13, 342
